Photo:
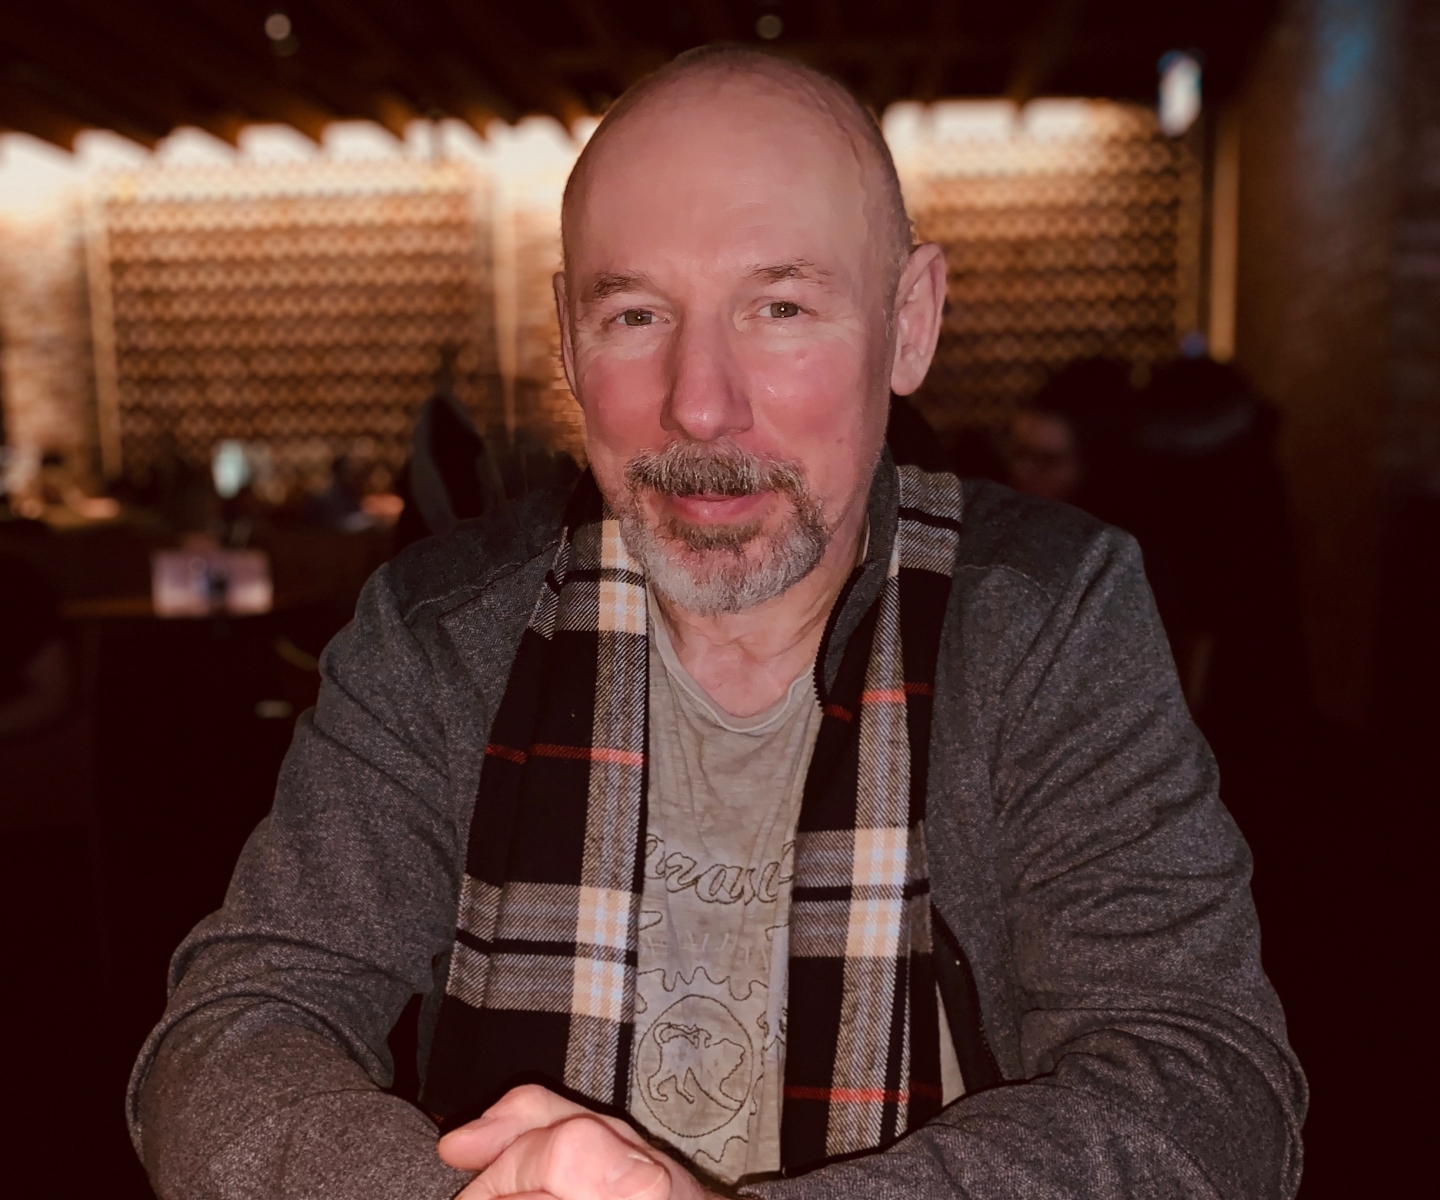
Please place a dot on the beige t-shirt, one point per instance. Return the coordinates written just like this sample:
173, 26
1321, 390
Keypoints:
724, 800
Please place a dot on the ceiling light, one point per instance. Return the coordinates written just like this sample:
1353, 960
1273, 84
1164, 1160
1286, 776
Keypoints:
1179, 92
769, 27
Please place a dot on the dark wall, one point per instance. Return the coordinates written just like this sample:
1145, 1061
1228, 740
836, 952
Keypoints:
1319, 155
1338, 321
1412, 438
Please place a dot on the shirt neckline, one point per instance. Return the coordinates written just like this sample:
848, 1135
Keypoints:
765, 721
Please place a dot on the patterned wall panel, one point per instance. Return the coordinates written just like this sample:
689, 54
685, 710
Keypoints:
1070, 231
303, 306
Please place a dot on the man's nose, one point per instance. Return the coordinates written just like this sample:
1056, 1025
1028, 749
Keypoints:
706, 397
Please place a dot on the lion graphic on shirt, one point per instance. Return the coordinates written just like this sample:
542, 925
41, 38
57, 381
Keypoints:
695, 1066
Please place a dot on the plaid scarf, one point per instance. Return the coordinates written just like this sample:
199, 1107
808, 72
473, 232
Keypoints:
542, 976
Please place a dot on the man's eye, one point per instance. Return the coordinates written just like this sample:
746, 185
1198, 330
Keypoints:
783, 308
637, 316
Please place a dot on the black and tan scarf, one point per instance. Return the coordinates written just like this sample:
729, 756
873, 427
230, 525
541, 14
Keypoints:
542, 978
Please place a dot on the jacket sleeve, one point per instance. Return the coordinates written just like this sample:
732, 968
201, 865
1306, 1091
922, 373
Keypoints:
1149, 1056
264, 1078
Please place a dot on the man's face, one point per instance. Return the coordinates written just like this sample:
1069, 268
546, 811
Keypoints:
727, 335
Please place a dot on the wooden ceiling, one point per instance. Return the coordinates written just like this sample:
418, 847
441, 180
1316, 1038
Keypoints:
144, 67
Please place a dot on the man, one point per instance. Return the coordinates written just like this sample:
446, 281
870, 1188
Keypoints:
759, 816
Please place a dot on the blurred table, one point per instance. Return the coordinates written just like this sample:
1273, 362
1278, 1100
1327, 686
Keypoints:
174, 741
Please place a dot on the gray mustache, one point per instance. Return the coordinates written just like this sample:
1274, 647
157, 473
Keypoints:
710, 469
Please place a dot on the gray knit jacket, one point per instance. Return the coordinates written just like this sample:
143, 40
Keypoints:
1077, 848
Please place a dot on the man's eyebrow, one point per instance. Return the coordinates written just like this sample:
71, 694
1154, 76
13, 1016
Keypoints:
611, 283
799, 268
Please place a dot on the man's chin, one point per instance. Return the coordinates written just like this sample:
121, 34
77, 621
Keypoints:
703, 541
717, 569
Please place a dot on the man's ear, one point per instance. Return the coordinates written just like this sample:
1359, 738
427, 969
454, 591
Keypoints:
562, 313
919, 311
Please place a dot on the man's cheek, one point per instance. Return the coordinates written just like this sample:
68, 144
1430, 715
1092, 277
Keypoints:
814, 412
808, 386
623, 399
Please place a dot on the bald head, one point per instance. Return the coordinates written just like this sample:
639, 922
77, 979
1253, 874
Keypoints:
706, 89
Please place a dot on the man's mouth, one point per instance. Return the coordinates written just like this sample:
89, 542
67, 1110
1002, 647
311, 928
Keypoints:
715, 508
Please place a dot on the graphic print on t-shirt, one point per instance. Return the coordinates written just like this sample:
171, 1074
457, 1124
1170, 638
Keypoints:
696, 1061
703, 1043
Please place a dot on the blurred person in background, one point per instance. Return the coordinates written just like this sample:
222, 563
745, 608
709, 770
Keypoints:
1190, 468
1211, 507
1213, 519
453, 473
34, 655
1070, 441
1074, 441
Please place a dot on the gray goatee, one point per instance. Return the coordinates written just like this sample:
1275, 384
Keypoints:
715, 569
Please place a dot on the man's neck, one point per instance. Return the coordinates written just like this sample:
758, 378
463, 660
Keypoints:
745, 661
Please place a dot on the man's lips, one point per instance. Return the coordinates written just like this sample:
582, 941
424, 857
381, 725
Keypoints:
705, 509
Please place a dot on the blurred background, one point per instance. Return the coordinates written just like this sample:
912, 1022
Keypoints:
275, 301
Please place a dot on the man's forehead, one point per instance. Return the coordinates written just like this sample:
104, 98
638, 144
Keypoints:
741, 141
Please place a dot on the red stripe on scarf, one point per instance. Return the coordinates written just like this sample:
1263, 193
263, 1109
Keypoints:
626, 758
895, 695
881, 696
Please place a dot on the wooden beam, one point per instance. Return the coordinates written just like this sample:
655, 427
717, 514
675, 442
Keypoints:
147, 27
434, 72
362, 88
830, 20
860, 51
326, 71
713, 17
410, 70
626, 59
476, 101
1224, 234
21, 109
885, 68
944, 29
89, 108
515, 61
1043, 49
73, 52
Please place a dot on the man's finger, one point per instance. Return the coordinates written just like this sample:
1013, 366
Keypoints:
581, 1158
475, 1146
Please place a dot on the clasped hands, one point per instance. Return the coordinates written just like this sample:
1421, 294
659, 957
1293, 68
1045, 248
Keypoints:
534, 1145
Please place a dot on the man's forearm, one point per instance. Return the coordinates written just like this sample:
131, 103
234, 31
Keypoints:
1121, 1116
242, 1103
